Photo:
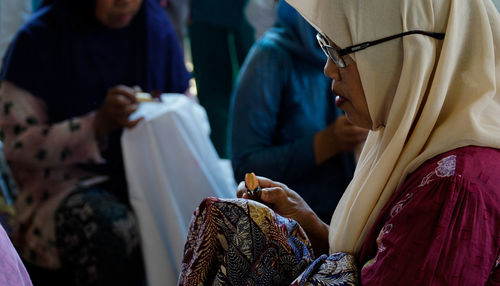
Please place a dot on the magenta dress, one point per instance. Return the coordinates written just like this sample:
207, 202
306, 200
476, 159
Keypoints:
442, 227
12, 271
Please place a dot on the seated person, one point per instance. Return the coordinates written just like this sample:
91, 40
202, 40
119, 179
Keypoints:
285, 124
423, 207
68, 86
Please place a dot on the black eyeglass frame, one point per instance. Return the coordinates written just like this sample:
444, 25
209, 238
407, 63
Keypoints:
336, 54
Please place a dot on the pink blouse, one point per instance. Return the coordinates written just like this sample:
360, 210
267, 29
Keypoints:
44, 159
442, 227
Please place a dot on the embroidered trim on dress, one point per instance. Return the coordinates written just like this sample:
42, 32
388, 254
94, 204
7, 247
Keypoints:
399, 206
446, 168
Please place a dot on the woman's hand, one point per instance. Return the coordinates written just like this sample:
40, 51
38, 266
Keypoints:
119, 103
340, 136
288, 203
347, 135
280, 198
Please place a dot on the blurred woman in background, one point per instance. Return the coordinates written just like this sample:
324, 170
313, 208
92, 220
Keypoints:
68, 86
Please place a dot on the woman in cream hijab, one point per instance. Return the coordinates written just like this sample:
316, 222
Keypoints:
424, 205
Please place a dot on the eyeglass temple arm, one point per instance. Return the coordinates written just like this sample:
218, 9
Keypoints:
362, 46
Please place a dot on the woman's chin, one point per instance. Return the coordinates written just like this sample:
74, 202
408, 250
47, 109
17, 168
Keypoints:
358, 120
118, 21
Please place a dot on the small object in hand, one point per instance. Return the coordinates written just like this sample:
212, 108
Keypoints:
144, 97
252, 184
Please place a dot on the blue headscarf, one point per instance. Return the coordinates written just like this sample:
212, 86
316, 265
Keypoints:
294, 34
64, 56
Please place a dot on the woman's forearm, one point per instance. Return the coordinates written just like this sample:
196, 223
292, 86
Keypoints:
317, 232
325, 146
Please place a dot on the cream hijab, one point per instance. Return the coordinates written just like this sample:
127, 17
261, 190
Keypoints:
425, 96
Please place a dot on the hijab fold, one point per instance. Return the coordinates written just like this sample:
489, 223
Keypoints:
425, 96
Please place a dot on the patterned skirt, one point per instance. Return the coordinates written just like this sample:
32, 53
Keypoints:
98, 240
243, 242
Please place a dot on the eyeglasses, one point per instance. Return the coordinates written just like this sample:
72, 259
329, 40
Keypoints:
336, 54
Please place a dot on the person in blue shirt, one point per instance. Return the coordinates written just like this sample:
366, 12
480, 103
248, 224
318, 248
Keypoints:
285, 125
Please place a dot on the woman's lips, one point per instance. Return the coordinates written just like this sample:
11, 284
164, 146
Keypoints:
339, 100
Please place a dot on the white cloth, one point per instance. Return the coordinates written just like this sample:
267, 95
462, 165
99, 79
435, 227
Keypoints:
13, 14
425, 96
171, 166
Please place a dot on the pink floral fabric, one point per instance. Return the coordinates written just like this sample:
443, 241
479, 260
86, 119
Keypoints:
442, 226
12, 271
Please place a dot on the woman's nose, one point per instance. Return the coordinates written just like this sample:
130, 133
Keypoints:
331, 70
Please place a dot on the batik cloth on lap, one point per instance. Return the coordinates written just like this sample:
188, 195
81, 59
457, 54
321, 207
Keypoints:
338, 269
242, 242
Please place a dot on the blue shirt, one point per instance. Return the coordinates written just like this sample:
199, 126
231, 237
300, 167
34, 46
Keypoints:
282, 99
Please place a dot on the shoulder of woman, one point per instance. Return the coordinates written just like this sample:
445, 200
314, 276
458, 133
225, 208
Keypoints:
470, 170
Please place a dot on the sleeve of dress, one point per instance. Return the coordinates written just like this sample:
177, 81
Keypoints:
30, 141
255, 109
445, 233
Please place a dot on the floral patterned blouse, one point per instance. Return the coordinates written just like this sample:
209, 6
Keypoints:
46, 160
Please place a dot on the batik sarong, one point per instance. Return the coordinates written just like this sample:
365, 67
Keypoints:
243, 242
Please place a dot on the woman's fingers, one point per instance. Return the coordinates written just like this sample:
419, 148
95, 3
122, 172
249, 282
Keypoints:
130, 109
125, 91
120, 101
124, 111
134, 122
274, 195
119, 104
121, 107
281, 199
268, 183
241, 190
